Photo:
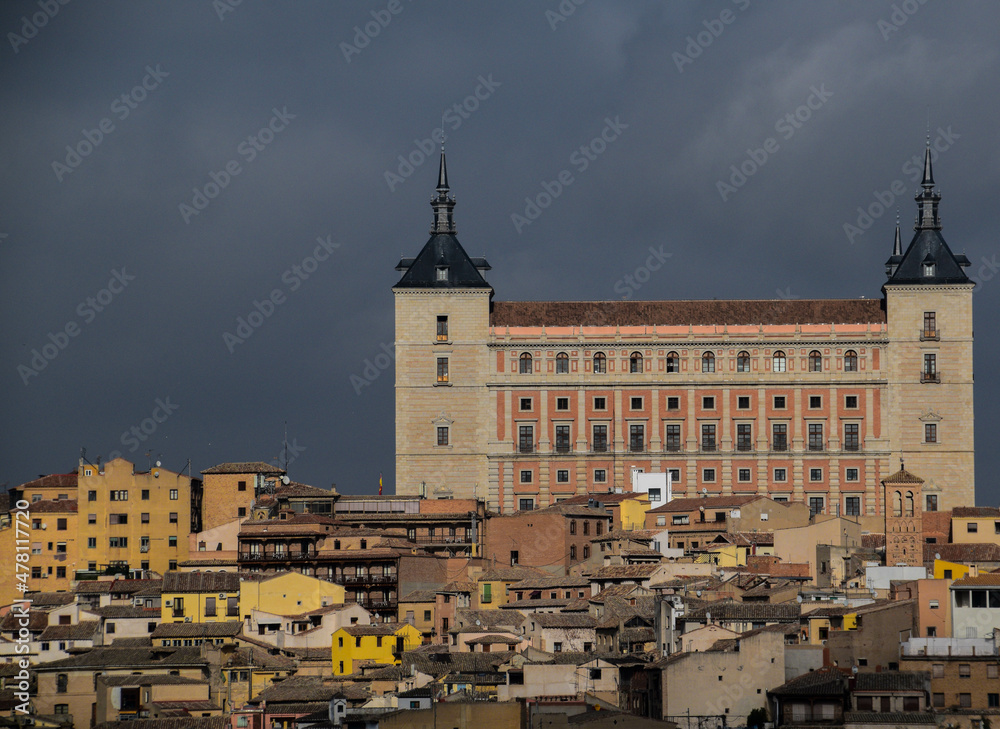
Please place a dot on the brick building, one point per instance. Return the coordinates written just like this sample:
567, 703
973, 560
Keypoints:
524, 403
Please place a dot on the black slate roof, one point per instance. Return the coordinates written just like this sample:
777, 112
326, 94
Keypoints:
928, 246
442, 250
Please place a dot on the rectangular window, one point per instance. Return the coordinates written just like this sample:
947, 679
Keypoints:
562, 439
964, 670
815, 474
144, 495
91, 518
635, 403
708, 436
779, 437
91, 542
965, 701
91, 496
993, 700
852, 506
119, 496
673, 403
938, 700
525, 403
600, 403
525, 504
675, 475
562, 403
171, 541
526, 439
815, 505
636, 438
851, 474
442, 369
744, 437
972, 527
442, 435
173, 517
931, 502
743, 402
232, 607
815, 436
930, 433
815, 402
672, 434
600, 438
442, 328
117, 519
708, 475
144, 517
173, 494
852, 440
779, 402
930, 325
526, 476
708, 402
209, 607
744, 475
850, 402
241, 486
600, 475
562, 476
680, 519
118, 542
780, 475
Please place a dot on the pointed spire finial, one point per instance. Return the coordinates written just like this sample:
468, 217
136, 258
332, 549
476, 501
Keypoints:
443, 203
928, 180
897, 246
442, 173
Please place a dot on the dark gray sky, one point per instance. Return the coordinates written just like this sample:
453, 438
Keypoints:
156, 99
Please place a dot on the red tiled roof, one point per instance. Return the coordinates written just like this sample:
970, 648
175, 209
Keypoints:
976, 512
53, 480
245, 467
990, 579
684, 313
54, 506
902, 476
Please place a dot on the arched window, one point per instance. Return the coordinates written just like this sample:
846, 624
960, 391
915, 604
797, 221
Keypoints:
815, 361
897, 503
909, 503
850, 361
635, 362
525, 364
743, 362
708, 362
778, 361
562, 363
600, 363
673, 362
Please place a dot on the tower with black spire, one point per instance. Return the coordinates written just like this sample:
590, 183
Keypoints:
928, 299
442, 305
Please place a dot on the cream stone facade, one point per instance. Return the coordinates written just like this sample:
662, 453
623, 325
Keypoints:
815, 401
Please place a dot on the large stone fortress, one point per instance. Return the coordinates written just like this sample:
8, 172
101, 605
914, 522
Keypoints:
524, 403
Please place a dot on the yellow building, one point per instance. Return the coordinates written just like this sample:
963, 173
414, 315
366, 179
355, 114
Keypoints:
200, 597
52, 561
133, 520
381, 644
493, 584
288, 593
633, 512
232, 487
944, 570
417, 609
975, 525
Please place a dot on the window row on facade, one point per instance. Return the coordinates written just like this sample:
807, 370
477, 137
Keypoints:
673, 442
637, 403
707, 363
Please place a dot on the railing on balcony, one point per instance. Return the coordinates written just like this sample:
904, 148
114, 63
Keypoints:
366, 579
599, 447
563, 448
634, 447
444, 539
672, 447
817, 445
930, 377
377, 604
709, 447
850, 446
779, 446
277, 556
744, 447
526, 448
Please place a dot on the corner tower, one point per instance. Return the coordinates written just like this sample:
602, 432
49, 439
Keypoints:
442, 309
929, 310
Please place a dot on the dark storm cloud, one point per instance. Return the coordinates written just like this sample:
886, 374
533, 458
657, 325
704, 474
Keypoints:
314, 103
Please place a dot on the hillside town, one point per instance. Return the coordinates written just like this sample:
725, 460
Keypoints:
643, 514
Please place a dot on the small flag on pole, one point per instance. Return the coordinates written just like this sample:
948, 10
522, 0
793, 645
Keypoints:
380, 483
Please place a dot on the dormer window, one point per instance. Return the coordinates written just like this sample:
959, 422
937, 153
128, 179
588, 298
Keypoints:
928, 269
442, 273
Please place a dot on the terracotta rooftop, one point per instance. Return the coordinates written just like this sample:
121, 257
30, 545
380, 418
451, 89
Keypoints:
685, 313
186, 722
976, 512
893, 681
84, 630
227, 629
563, 620
54, 480
902, 476
963, 553
201, 582
991, 579
624, 572
247, 467
54, 506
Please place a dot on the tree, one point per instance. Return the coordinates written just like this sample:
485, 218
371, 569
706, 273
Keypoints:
756, 719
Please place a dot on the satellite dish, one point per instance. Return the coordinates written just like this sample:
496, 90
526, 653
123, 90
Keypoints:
798, 599
158, 464
704, 490
478, 623
285, 480
937, 555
